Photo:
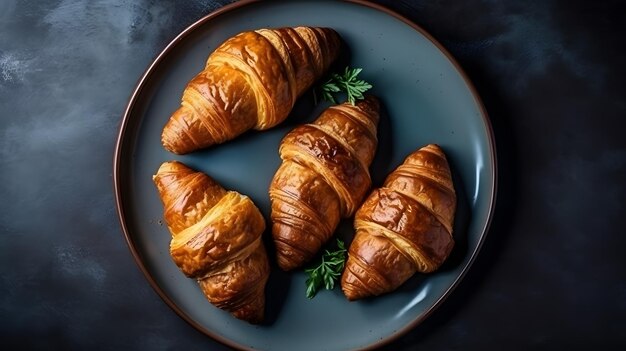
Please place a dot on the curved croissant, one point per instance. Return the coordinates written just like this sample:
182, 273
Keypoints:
403, 227
252, 80
324, 176
216, 239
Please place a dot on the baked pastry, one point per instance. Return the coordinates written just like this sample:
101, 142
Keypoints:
402, 228
324, 176
216, 239
252, 80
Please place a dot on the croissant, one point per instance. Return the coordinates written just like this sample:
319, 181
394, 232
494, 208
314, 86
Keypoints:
252, 80
216, 239
323, 176
403, 227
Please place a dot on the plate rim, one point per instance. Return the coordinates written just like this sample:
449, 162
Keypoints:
141, 84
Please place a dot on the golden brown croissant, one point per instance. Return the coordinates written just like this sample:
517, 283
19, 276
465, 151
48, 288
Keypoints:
216, 239
324, 176
252, 80
403, 227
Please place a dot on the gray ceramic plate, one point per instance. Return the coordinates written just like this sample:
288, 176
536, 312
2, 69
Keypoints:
427, 100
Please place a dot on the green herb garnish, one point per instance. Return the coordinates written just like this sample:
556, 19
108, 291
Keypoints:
327, 272
347, 83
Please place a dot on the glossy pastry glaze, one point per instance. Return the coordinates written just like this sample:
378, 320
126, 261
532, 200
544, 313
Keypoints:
250, 81
324, 176
216, 239
403, 227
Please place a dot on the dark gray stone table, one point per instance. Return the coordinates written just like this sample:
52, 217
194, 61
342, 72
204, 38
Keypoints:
552, 274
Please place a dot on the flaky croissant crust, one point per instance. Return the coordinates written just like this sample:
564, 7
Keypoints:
324, 176
252, 80
403, 227
216, 239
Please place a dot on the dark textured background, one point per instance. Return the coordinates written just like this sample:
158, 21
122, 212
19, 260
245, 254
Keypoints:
551, 275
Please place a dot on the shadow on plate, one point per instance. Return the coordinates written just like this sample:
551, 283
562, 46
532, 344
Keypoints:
381, 165
278, 283
461, 223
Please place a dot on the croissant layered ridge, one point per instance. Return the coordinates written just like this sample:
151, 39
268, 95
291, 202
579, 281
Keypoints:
216, 239
252, 80
323, 177
403, 227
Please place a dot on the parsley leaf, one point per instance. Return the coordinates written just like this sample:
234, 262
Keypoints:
347, 83
327, 273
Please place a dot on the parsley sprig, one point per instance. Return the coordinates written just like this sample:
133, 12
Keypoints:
347, 83
327, 272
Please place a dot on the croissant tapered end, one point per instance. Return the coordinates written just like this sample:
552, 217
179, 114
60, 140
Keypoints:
374, 267
254, 311
186, 194
166, 168
352, 288
370, 106
333, 44
287, 257
251, 309
292, 253
431, 168
172, 167
240, 289
184, 133
168, 173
